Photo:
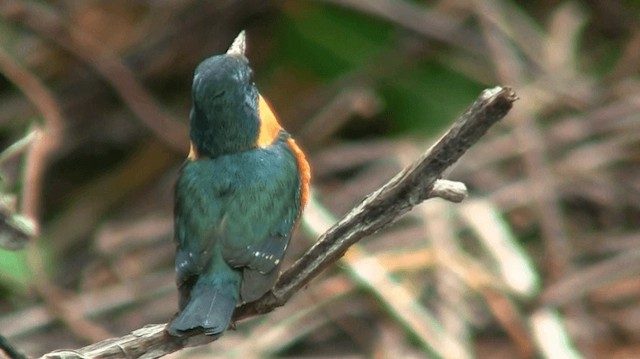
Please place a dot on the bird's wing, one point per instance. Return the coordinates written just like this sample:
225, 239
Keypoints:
261, 215
199, 215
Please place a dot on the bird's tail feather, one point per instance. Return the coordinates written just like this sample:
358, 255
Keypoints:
210, 308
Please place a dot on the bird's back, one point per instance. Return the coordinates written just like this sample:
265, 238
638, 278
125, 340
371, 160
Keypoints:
234, 218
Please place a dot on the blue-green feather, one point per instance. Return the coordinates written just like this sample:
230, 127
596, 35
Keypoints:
234, 217
236, 203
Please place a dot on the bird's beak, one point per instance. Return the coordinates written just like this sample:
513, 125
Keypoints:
239, 45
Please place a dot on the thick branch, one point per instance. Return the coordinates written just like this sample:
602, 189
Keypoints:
410, 187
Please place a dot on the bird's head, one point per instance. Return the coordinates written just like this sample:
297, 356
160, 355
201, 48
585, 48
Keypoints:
225, 111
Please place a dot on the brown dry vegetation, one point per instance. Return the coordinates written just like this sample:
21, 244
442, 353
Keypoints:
546, 244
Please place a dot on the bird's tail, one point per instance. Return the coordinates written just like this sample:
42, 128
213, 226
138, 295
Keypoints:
210, 307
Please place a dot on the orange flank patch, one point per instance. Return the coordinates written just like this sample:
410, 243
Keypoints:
269, 126
193, 153
305, 173
269, 130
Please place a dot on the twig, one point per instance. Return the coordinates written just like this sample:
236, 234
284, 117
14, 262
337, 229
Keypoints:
355, 100
511, 262
15, 230
574, 286
46, 142
451, 309
551, 336
398, 298
529, 136
410, 187
107, 64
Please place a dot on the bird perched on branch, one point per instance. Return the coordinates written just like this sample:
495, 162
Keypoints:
238, 196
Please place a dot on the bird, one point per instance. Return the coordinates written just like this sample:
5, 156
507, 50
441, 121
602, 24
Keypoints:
238, 197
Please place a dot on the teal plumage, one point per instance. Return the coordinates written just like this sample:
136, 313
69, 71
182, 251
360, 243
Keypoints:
237, 198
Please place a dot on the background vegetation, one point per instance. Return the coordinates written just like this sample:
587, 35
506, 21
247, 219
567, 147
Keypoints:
546, 245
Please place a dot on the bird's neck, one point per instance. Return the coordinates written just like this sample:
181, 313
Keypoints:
232, 129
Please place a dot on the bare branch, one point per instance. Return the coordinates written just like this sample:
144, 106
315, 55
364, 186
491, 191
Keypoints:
378, 210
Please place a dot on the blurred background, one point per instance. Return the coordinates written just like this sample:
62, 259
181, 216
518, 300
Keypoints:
541, 260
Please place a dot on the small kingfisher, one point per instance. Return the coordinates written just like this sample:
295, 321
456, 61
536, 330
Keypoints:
238, 197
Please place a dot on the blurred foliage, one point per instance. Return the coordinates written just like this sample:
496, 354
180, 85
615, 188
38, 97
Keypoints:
105, 202
14, 272
328, 43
